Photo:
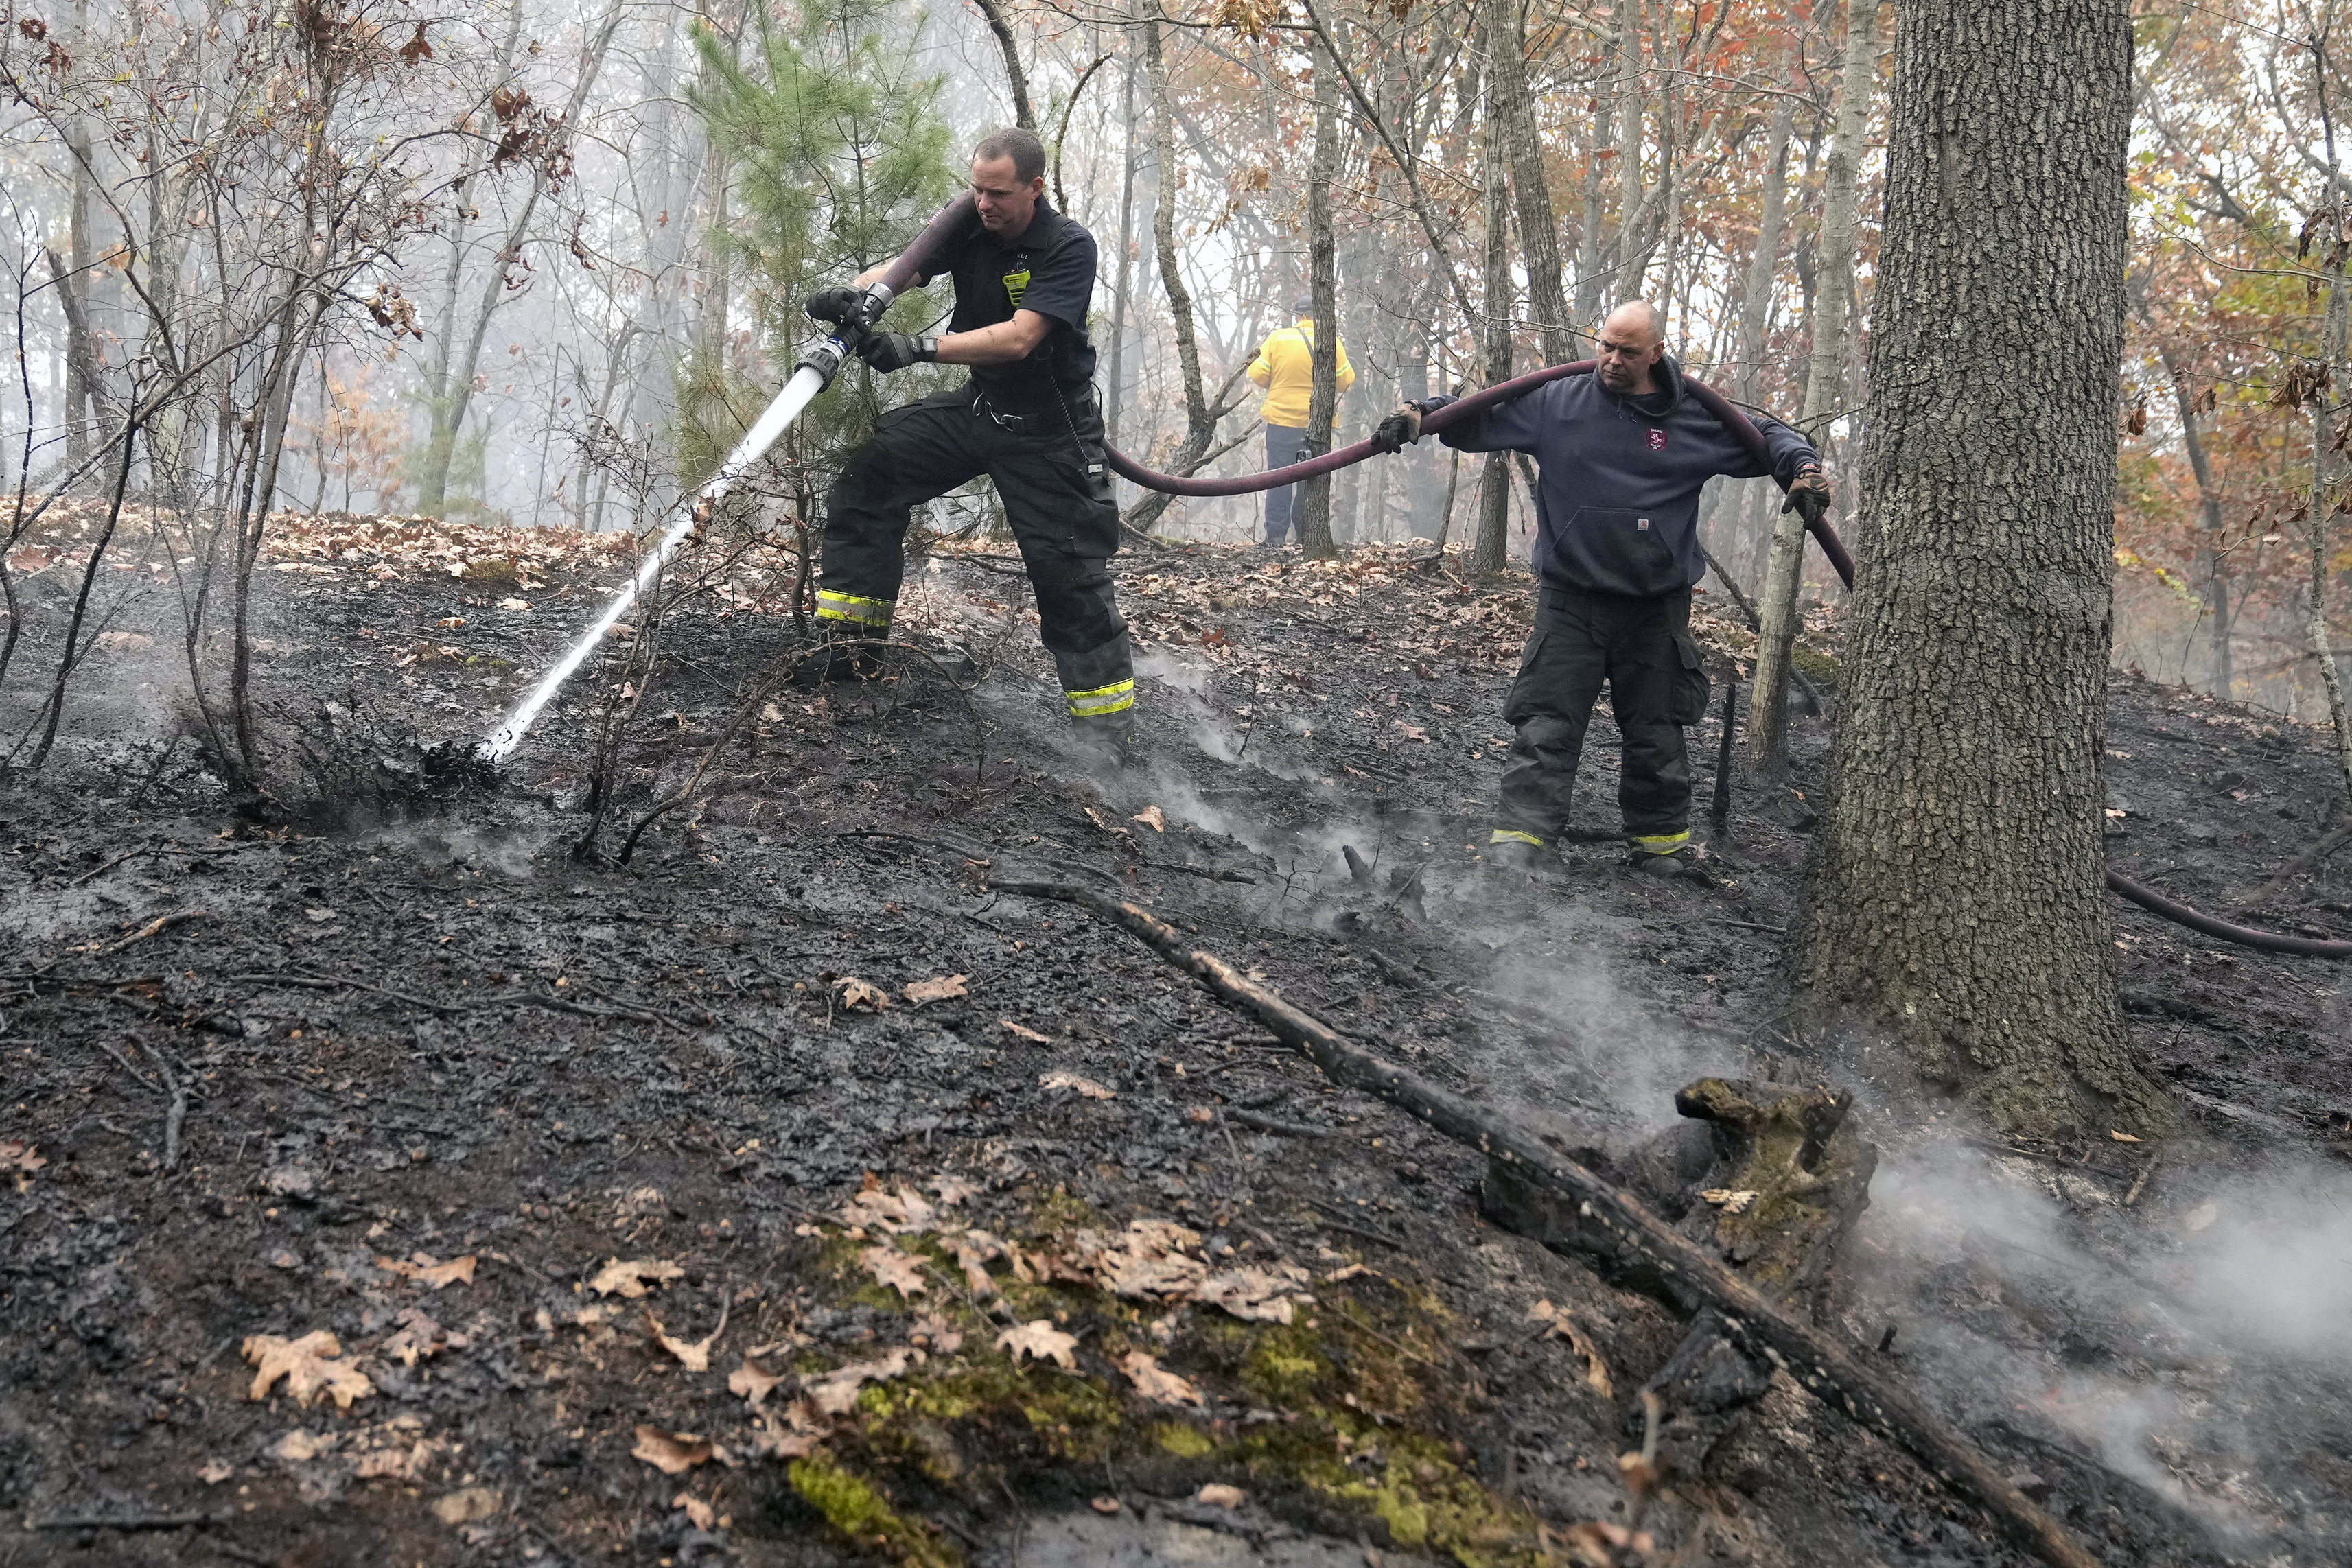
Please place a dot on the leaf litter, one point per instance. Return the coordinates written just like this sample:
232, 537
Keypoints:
309, 1366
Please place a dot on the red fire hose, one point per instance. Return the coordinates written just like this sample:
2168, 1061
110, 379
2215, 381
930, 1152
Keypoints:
906, 268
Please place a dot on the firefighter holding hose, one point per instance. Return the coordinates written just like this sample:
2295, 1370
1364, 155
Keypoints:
1028, 418
1622, 456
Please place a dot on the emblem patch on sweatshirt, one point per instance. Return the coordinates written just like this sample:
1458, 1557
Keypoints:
1657, 440
1016, 284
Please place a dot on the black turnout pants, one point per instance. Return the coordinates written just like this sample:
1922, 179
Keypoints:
1048, 470
1657, 683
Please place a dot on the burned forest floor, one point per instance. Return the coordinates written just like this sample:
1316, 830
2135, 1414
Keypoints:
396, 1174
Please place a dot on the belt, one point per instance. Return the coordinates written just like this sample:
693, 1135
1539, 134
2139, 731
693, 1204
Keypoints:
1036, 421
985, 408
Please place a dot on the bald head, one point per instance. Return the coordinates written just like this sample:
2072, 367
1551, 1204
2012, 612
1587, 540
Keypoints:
1631, 341
1638, 318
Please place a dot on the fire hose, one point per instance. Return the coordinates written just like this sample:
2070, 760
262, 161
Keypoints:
816, 369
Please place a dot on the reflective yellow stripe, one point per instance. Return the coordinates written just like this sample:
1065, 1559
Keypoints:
849, 607
1117, 697
1513, 836
1662, 843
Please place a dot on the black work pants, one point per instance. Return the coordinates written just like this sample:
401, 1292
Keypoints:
1285, 445
1047, 466
1657, 683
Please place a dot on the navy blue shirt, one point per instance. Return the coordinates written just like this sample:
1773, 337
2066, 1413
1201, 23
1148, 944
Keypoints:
1617, 494
1049, 269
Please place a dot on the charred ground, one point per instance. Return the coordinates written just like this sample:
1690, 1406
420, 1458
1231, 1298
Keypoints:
378, 1028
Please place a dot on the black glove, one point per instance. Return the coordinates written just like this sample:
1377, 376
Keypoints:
835, 305
1397, 431
887, 351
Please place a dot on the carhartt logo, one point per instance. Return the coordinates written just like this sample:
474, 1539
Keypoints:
1641, 523
1657, 441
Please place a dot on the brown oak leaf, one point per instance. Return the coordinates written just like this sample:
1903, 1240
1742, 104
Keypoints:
311, 1365
1040, 1340
629, 1278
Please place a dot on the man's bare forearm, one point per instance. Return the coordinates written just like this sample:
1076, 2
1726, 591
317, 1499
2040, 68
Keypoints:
999, 345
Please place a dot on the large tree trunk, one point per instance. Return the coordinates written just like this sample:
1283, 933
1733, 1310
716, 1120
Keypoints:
1958, 893
1539, 229
1768, 708
1323, 402
1493, 542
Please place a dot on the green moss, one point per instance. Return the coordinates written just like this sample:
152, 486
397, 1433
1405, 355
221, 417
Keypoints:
1818, 668
1185, 1442
863, 1515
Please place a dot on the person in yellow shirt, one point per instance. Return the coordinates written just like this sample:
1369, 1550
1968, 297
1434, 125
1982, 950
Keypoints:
1284, 367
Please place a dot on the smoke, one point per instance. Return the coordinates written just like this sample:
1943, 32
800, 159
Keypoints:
2194, 1345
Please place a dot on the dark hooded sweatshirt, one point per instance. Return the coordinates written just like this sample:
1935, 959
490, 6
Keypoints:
1617, 500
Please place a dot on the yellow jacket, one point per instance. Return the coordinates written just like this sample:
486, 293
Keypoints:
1285, 366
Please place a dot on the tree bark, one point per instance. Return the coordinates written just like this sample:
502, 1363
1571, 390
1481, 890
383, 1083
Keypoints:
1016, 77
1199, 418
2208, 502
1323, 401
1784, 574
1958, 885
1115, 386
1538, 228
1493, 540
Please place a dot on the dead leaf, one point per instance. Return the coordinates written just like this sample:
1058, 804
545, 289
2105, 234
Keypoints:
124, 642
1104, 1505
837, 1391
516, 604
2121, 1138
310, 1365
750, 1383
895, 1269
215, 1471
1255, 1295
953, 1190
425, 1270
1152, 817
299, 1448
700, 1512
1085, 1086
629, 1278
901, 1213
1730, 1202
1558, 1324
859, 995
777, 1441
1155, 1382
945, 988
936, 1334
671, 1453
694, 1357
1040, 1340
972, 1250
1019, 1032
16, 1155
1106, 824
417, 1337
468, 1504
1217, 1494
416, 49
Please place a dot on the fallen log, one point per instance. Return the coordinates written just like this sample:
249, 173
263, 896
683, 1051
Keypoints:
1640, 1243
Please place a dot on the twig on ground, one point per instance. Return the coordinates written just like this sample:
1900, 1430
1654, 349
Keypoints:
1279, 1128
175, 1115
2140, 1183
128, 1521
1752, 926
154, 928
1650, 1252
